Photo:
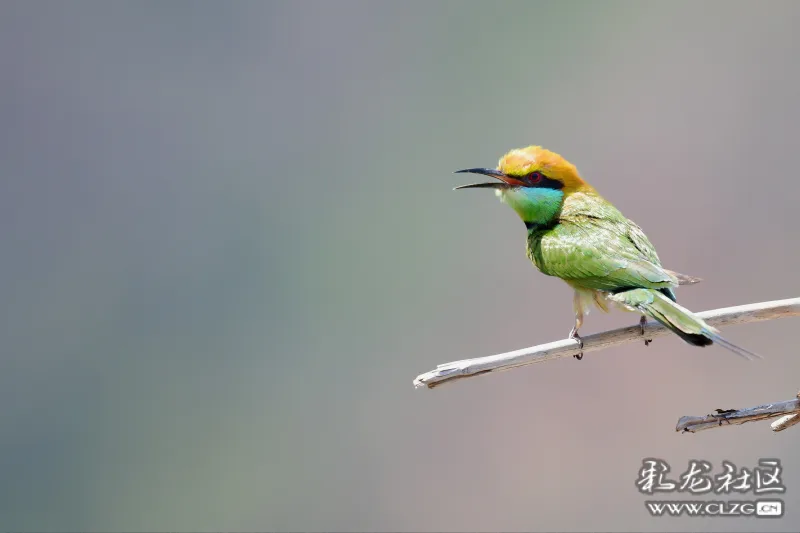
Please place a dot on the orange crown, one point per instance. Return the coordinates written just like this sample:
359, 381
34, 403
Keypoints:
522, 161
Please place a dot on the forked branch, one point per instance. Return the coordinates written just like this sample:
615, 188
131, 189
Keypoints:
742, 314
787, 411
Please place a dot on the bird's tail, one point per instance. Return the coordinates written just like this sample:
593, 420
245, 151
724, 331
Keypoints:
677, 319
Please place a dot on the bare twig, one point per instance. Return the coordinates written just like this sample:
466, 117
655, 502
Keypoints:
785, 422
784, 410
742, 314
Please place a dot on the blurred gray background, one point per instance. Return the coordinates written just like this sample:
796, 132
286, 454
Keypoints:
230, 243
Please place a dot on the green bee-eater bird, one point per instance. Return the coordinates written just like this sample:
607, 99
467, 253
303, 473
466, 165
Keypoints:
577, 235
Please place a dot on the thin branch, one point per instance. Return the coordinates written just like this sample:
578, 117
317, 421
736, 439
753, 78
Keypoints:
742, 314
734, 417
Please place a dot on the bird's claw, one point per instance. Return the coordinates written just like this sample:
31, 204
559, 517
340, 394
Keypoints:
642, 324
574, 335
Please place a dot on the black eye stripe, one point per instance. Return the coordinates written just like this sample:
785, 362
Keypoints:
539, 180
547, 183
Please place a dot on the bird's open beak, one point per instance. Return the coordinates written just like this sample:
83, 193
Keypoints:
504, 183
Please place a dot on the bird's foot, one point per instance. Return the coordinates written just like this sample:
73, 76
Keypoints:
574, 335
642, 324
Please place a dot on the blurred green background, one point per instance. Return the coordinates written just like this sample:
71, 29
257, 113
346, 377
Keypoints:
230, 243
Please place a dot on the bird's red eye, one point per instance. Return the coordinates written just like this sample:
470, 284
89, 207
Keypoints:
535, 177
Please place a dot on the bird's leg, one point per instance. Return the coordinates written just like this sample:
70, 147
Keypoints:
574, 335
577, 304
642, 324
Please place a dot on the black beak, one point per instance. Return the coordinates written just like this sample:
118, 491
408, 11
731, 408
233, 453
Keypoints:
504, 183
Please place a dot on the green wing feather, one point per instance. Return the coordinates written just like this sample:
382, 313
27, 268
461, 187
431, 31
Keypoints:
595, 247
